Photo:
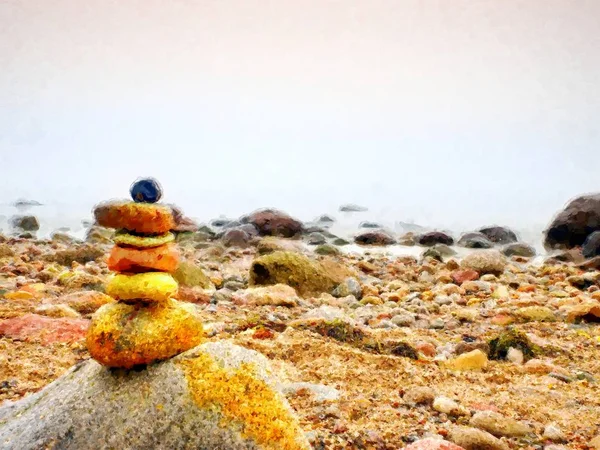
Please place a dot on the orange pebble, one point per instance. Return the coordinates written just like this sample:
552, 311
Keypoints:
129, 259
143, 218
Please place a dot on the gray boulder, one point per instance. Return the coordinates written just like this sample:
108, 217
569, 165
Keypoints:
571, 227
591, 246
499, 235
182, 403
25, 223
475, 240
519, 249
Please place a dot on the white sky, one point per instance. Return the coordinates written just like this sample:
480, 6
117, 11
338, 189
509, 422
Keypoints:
469, 111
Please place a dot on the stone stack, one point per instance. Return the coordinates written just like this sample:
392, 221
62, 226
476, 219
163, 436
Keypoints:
146, 324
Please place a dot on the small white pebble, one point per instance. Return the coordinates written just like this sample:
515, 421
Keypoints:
553, 433
446, 405
515, 356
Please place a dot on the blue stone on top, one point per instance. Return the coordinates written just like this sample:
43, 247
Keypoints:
146, 190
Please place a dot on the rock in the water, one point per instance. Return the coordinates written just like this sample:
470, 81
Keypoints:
271, 222
325, 219
316, 239
438, 252
519, 249
474, 439
485, 261
474, 240
353, 208
367, 224
433, 444
499, 425
25, 223
47, 330
434, 237
377, 237
306, 276
499, 235
571, 227
591, 246
147, 190
215, 396
122, 335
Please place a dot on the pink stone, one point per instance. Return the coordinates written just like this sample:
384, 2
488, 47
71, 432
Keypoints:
427, 348
433, 444
460, 276
33, 327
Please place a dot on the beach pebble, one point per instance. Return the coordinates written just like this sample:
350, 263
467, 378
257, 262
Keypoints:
47, 330
58, 310
321, 392
350, 286
595, 443
553, 433
433, 444
403, 320
499, 425
474, 360
419, 395
448, 406
515, 356
474, 439
485, 261
437, 324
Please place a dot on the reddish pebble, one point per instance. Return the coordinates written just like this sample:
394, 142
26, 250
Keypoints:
502, 319
460, 276
433, 444
484, 407
340, 427
33, 327
427, 348
263, 333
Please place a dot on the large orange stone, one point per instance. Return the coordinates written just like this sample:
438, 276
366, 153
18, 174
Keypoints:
164, 258
144, 218
122, 335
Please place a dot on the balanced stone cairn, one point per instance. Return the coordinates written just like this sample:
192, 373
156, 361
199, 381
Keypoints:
145, 324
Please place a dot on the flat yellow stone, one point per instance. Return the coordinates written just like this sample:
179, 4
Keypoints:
475, 360
122, 335
131, 240
19, 295
151, 286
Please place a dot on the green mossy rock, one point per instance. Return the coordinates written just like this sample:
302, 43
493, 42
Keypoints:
514, 338
308, 277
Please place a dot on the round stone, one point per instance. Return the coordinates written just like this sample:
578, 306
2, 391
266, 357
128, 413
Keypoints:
122, 335
146, 190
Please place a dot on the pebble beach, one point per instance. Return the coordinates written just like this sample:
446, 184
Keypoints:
386, 345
